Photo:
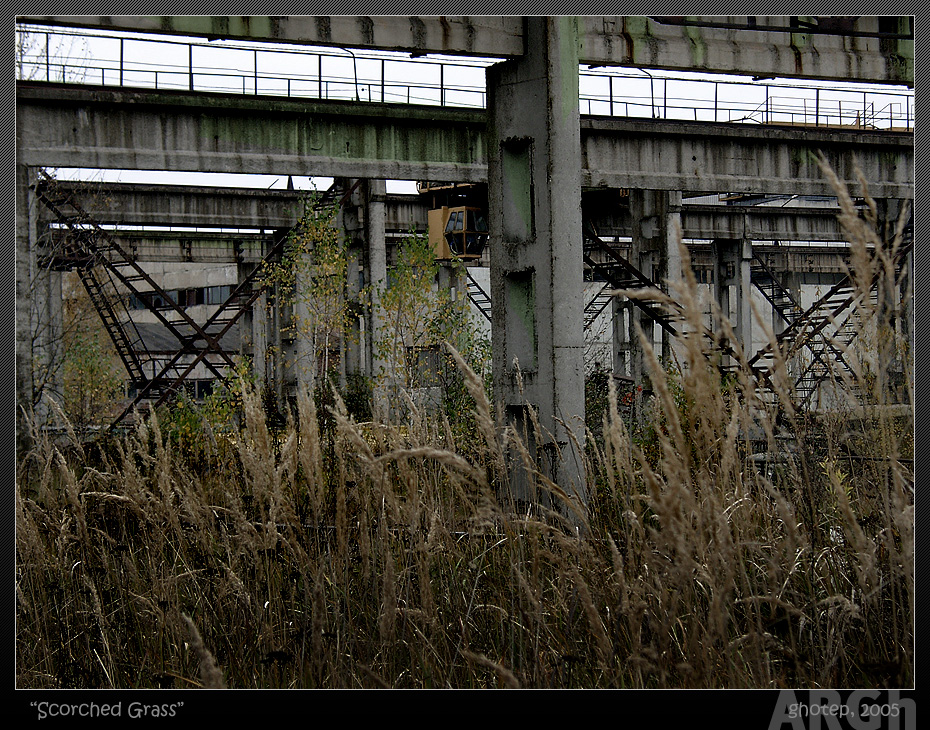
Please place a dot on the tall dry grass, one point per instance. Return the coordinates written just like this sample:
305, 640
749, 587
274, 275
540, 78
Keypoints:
384, 556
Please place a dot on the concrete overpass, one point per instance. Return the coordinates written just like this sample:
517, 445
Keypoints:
136, 205
73, 126
872, 49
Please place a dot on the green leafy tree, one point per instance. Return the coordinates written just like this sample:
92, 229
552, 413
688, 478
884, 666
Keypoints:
311, 281
419, 318
93, 374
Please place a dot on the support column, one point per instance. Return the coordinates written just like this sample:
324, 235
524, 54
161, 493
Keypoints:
376, 275
656, 226
25, 262
534, 174
253, 326
352, 229
48, 331
891, 315
733, 286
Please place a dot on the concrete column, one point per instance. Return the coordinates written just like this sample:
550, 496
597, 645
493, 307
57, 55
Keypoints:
253, 334
656, 226
25, 263
620, 310
907, 326
451, 281
733, 285
301, 353
791, 280
353, 356
534, 179
48, 329
376, 275
352, 229
891, 316
39, 316
743, 327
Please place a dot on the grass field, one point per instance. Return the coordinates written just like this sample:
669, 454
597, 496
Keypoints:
328, 553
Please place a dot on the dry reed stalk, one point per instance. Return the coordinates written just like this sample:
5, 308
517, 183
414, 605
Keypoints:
388, 612
425, 581
483, 418
317, 624
506, 676
310, 453
210, 674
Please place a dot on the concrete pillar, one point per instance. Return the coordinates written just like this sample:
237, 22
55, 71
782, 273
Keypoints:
891, 316
25, 264
301, 353
534, 181
253, 329
656, 226
791, 280
620, 309
39, 311
353, 356
48, 331
373, 197
352, 229
733, 285
907, 326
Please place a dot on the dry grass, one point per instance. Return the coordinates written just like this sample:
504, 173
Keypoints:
363, 557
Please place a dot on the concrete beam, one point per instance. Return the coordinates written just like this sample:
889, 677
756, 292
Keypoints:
96, 127
873, 49
493, 36
207, 206
191, 246
859, 48
184, 205
761, 223
231, 248
105, 128
708, 156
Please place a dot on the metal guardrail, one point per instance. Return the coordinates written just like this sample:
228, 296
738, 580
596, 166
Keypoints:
394, 78
715, 100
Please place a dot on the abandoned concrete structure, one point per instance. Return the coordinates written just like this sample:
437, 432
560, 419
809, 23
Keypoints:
543, 162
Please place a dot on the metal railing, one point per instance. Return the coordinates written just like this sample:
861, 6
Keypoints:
632, 95
332, 74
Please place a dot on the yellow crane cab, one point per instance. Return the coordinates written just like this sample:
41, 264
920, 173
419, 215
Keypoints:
460, 231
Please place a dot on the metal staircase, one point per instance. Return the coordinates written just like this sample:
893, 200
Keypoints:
478, 296
825, 331
597, 304
609, 265
781, 299
110, 275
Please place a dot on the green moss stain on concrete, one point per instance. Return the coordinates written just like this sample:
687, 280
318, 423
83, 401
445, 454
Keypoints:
259, 26
521, 318
636, 28
697, 45
518, 190
340, 138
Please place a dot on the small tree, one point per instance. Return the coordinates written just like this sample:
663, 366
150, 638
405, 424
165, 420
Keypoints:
93, 374
311, 280
419, 317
